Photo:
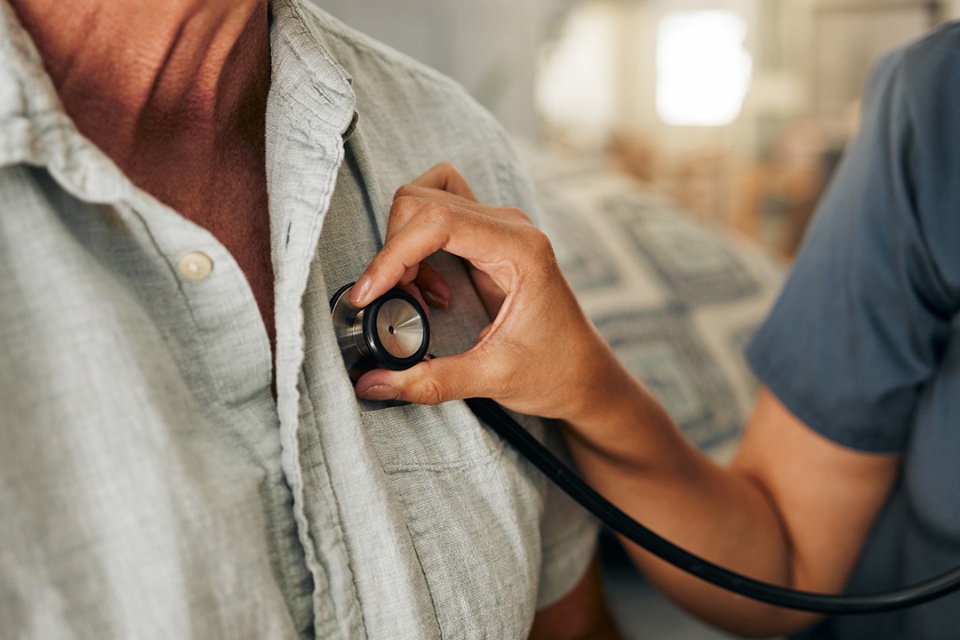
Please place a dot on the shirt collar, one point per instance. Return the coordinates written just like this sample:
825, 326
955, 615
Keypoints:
26, 91
35, 128
308, 86
306, 79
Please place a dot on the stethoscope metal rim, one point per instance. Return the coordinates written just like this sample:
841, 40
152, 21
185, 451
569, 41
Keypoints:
392, 332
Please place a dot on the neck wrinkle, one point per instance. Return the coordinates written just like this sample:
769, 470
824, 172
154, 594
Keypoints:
131, 76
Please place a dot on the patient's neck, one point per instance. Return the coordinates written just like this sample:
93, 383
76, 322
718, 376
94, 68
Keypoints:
148, 79
175, 92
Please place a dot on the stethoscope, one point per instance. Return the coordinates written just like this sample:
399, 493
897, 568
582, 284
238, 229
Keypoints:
393, 332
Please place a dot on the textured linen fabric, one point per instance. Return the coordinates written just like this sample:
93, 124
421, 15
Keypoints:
150, 486
862, 346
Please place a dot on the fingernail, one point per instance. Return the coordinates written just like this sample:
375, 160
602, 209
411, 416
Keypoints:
360, 289
436, 300
380, 392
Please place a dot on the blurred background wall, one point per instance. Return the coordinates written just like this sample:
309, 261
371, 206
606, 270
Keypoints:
492, 47
737, 109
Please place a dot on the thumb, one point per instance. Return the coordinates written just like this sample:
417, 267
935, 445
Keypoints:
430, 382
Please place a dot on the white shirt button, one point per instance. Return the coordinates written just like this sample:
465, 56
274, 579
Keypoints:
196, 266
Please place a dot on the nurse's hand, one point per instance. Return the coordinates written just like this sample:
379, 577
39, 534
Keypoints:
540, 355
793, 508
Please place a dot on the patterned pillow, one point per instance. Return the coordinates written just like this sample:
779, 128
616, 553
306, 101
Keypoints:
676, 297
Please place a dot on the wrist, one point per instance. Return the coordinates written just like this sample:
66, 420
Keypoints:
614, 415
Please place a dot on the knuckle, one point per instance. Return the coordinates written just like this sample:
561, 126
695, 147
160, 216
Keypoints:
404, 205
446, 168
519, 214
437, 214
454, 174
538, 243
404, 191
403, 209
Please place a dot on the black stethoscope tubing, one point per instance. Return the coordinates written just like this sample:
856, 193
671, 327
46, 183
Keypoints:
511, 431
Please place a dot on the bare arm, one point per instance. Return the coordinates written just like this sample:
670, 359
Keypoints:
793, 509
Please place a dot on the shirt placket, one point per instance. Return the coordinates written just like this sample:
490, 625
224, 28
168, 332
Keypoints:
310, 107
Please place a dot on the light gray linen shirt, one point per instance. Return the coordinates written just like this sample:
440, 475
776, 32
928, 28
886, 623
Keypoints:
150, 486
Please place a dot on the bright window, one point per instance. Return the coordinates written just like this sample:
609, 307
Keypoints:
703, 69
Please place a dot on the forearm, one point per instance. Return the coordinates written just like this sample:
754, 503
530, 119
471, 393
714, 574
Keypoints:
630, 450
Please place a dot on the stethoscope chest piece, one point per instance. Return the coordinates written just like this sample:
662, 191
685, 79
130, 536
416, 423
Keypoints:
391, 332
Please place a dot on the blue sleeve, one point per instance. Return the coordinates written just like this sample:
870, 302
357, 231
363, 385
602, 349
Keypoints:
865, 314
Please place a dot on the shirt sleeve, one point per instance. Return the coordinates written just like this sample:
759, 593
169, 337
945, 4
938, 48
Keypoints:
865, 314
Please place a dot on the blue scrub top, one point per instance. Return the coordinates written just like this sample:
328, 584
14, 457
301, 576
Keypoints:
862, 344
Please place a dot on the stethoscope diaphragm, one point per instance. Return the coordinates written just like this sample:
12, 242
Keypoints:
392, 332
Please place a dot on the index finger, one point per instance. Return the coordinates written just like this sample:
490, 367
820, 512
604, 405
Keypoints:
403, 250
478, 239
